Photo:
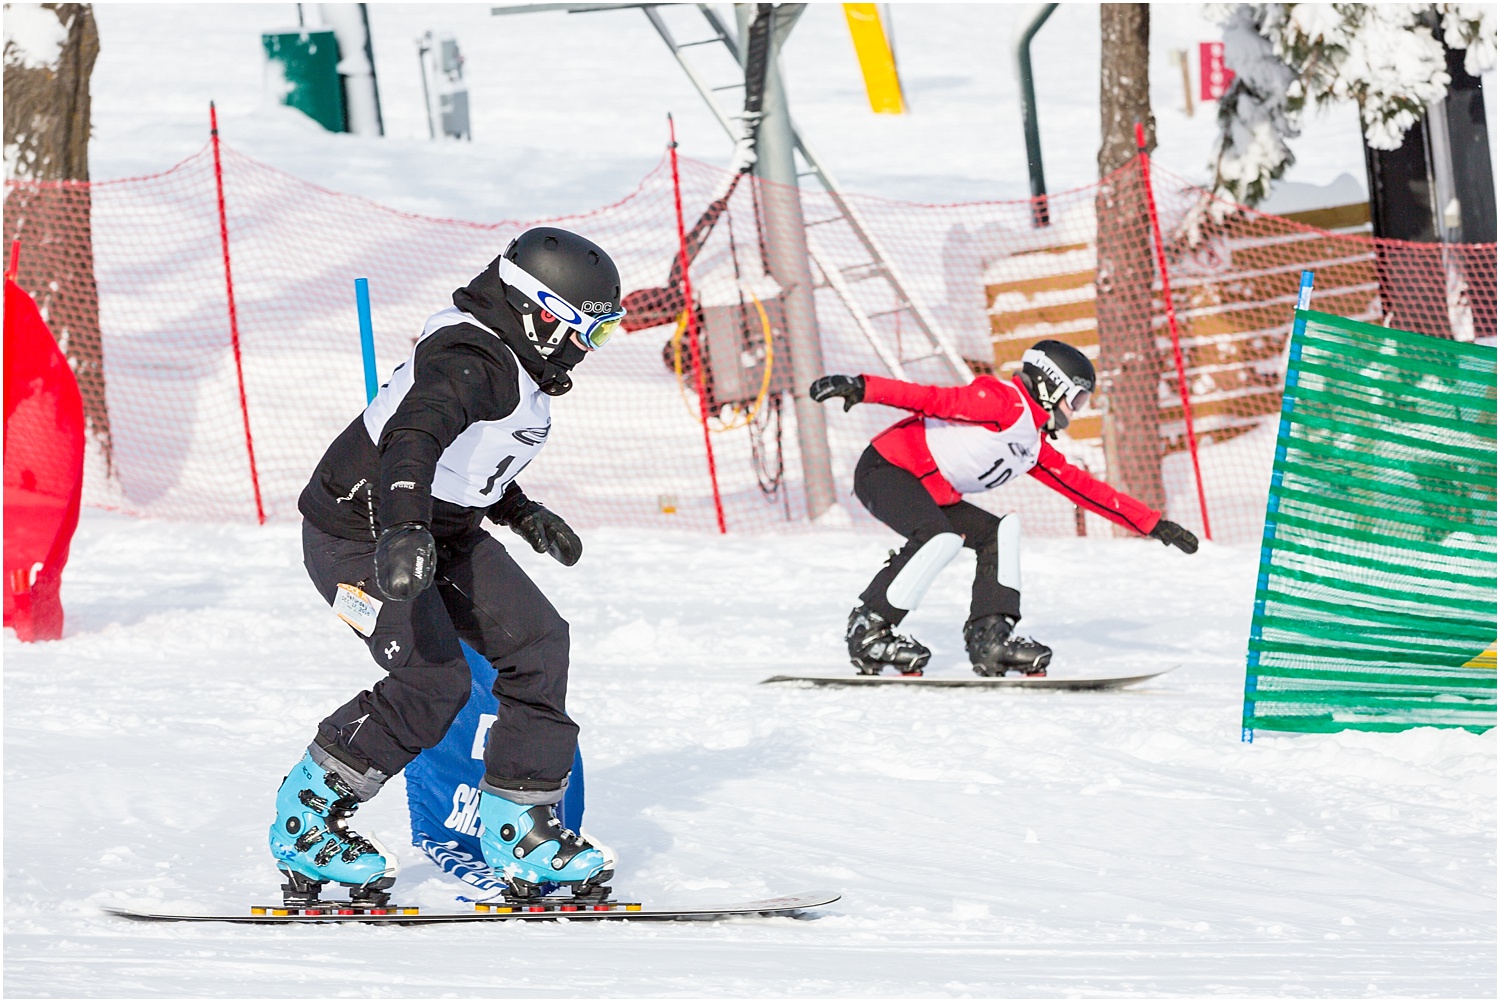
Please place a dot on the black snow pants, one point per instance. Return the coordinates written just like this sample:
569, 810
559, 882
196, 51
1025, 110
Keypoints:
479, 595
898, 499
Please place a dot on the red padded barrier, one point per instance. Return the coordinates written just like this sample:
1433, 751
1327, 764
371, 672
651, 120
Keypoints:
43, 469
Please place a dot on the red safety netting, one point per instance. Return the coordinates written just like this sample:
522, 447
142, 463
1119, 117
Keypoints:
131, 276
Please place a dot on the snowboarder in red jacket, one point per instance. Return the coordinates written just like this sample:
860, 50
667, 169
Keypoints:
961, 440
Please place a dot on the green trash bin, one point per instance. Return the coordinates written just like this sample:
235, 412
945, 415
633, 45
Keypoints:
304, 66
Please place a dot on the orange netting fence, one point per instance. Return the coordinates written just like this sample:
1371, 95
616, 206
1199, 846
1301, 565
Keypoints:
131, 276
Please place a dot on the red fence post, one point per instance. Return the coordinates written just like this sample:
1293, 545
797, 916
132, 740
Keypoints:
692, 328
234, 319
1171, 311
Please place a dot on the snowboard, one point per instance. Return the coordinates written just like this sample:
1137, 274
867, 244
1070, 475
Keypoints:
1011, 682
562, 909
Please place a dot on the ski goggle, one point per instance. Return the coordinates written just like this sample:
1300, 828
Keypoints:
1077, 399
593, 330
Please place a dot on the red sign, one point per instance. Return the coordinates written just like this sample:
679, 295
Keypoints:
1214, 77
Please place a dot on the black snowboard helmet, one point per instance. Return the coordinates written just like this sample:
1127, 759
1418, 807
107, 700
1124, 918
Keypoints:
570, 274
571, 266
1054, 372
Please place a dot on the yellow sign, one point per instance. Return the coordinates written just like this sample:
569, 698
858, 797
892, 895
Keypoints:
875, 58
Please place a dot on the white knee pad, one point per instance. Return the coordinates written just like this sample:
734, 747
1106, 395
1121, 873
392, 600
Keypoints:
1008, 545
911, 583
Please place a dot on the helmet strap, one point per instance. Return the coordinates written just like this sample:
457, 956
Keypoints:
1039, 392
553, 340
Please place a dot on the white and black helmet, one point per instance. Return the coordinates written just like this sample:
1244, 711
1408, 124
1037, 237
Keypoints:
567, 275
1054, 372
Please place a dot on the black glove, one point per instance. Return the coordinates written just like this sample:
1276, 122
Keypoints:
547, 533
1172, 534
851, 388
405, 560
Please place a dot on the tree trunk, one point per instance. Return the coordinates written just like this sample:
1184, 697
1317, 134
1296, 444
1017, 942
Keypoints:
47, 114
1129, 363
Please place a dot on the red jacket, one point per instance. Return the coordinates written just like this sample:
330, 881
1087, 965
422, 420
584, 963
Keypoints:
989, 403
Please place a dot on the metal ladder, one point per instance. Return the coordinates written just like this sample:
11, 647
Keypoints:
874, 275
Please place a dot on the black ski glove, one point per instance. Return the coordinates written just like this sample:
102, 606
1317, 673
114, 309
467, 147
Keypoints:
1172, 534
546, 532
851, 388
405, 560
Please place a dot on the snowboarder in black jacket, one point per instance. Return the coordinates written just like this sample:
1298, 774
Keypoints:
393, 539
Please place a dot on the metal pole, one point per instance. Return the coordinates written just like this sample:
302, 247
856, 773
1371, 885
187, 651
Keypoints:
422, 49
704, 90
364, 15
787, 258
1040, 216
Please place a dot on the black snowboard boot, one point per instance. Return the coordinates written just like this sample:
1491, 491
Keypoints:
993, 648
873, 644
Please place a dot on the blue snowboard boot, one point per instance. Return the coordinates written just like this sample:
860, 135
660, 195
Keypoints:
313, 843
529, 847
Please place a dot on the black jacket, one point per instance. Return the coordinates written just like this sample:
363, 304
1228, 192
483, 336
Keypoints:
463, 374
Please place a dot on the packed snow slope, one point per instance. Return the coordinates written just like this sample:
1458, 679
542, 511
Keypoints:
985, 843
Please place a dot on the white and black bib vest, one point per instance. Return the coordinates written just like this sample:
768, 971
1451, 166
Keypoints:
474, 471
973, 458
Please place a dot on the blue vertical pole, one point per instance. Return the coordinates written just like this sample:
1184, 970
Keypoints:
1273, 503
366, 336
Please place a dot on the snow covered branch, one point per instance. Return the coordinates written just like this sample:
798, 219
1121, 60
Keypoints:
49, 52
34, 35
1386, 58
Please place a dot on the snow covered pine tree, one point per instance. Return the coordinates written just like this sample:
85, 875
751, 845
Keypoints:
1289, 56
393, 540
963, 440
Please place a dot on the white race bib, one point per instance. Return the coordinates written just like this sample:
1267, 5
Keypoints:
974, 459
487, 455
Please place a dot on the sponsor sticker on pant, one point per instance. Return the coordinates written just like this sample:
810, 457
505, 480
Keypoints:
356, 608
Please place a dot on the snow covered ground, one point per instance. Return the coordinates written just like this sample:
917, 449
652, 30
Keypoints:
986, 843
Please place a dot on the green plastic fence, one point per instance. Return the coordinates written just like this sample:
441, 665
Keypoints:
1375, 603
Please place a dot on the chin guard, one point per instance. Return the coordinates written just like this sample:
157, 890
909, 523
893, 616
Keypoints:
555, 381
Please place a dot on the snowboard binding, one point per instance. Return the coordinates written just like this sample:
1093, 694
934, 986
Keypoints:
874, 644
302, 892
994, 649
594, 891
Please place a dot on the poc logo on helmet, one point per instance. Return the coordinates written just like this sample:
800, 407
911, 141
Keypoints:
600, 307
